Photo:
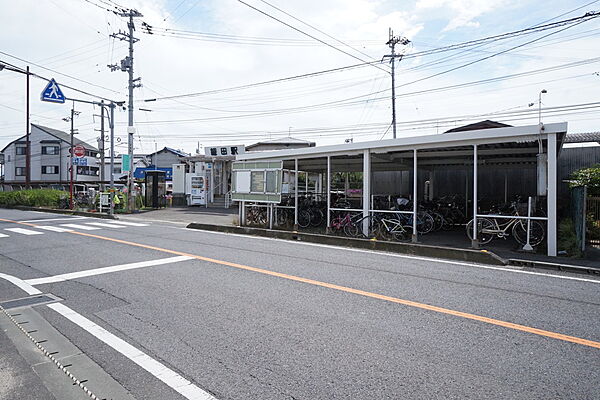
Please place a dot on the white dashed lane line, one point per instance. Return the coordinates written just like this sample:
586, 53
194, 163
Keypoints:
24, 231
105, 225
55, 228
82, 227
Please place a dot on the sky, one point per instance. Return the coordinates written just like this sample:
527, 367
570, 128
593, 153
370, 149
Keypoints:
204, 66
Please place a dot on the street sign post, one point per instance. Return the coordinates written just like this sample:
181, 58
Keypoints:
79, 151
52, 93
125, 163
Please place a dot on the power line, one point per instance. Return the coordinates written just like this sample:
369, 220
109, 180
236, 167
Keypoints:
250, 85
316, 29
309, 35
61, 73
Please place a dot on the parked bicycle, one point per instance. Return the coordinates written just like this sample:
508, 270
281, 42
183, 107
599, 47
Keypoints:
489, 228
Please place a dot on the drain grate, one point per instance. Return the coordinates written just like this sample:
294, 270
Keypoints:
29, 301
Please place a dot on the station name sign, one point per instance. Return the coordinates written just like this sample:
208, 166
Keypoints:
225, 151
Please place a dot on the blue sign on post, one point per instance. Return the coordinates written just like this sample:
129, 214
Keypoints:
52, 93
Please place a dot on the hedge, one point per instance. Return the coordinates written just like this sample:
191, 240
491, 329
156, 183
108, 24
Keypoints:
32, 198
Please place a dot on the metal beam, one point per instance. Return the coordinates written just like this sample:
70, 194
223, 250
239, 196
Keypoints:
366, 189
475, 241
551, 196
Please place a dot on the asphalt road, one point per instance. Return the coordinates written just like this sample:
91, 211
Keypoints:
233, 317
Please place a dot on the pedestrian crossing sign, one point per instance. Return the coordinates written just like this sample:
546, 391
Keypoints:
52, 93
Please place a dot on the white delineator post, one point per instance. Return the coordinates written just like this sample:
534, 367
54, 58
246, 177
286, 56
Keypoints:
366, 190
551, 196
528, 246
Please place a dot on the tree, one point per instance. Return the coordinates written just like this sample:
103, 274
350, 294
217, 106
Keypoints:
589, 177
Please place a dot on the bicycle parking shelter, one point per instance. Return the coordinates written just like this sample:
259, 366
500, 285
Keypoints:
479, 163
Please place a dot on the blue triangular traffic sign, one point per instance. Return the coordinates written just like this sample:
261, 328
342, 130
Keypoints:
52, 93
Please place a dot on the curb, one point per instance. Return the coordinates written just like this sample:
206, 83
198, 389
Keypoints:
579, 269
415, 249
67, 212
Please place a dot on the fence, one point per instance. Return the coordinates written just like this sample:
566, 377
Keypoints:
593, 219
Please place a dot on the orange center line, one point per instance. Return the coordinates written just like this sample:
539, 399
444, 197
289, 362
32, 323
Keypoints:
409, 303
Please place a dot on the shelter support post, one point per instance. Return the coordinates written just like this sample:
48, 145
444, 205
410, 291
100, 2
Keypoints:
475, 241
296, 194
328, 193
415, 237
551, 196
242, 213
366, 190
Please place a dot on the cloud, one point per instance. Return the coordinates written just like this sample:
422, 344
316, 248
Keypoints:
461, 13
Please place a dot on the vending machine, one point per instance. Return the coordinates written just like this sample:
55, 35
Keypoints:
196, 190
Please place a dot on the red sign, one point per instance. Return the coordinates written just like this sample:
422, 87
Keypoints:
79, 151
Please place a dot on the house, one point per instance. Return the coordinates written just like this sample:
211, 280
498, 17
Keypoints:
50, 158
166, 157
279, 144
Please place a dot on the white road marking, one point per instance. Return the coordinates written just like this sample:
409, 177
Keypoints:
104, 225
166, 375
20, 283
82, 227
105, 270
516, 270
55, 219
171, 378
128, 223
24, 231
3, 235
54, 228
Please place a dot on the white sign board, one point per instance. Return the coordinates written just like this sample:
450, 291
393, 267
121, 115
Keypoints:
225, 151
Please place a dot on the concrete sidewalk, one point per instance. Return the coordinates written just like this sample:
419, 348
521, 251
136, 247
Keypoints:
218, 219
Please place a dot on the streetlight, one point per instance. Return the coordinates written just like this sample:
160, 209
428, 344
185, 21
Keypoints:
540, 105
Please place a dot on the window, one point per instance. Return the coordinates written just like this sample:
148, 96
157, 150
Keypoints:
49, 169
20, 171
89, 153
91, 171
271, 181
53, 150
257, 182
21, 150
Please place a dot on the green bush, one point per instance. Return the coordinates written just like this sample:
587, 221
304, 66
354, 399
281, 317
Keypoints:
589, 177
32, 198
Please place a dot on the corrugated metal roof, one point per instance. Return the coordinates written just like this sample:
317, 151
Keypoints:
582, 137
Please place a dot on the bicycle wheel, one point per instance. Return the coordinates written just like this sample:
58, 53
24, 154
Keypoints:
537, 233
351, 229
482, 224
316, 217
400, 234
383, 233
303, 219
438, 220
425, 223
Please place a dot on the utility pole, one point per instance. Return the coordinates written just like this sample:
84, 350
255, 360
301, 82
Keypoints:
27, 133
111, 124
101, 146
71, 172
71, 159
127, 65
392, 42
